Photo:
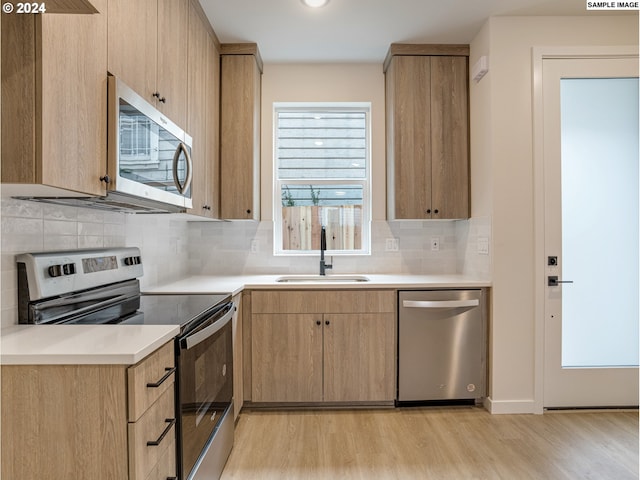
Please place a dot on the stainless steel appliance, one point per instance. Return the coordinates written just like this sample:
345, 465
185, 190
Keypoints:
149, 155
441, 346
101, 287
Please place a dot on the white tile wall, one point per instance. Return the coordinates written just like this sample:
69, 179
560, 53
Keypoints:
224, 248
172, 247
34, 227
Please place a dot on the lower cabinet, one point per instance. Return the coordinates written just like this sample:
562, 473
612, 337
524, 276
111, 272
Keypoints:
323, 346
90, 421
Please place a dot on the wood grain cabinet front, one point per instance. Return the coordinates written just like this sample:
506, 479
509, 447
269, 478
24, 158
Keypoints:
147, 40
323, 346
240, 93
74, 421
54, 101
203, 98
427, 132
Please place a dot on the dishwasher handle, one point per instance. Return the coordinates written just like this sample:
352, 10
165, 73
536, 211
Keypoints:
440, 303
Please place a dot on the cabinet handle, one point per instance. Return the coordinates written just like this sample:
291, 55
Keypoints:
428, 210
435, 211
106, 179
171, 422
248, 211
327, 322
160, 99
163, 379
318, 322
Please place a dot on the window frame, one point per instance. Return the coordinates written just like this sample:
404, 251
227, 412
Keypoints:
365, 182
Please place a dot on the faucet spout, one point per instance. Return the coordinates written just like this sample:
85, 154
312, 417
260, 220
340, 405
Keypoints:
323, 246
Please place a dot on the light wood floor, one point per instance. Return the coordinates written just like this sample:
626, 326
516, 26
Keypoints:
434, 443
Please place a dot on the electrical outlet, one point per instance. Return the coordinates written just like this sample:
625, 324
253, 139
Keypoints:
483, 246
392, 245
435, 244
254, 246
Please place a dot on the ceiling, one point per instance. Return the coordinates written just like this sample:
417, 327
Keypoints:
361, 30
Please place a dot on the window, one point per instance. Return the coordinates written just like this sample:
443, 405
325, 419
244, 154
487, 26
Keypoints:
322, 165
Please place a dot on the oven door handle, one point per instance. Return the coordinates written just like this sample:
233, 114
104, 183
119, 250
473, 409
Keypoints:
200, 336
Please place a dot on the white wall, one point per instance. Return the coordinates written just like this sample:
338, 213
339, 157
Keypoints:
502, 179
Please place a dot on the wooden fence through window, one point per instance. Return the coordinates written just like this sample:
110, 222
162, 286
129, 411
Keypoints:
301, 227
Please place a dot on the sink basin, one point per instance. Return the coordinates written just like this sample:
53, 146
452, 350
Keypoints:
321, 278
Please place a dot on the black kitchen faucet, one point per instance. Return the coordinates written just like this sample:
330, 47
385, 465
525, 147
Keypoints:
323, 247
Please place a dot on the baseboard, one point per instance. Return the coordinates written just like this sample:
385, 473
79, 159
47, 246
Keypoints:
509, 406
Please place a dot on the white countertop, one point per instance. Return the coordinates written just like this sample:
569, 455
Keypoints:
128, 344
235, 284
81, 344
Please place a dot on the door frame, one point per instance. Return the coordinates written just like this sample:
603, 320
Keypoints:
539, 54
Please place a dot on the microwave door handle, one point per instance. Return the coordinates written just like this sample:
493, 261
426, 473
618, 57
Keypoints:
192, 340
176, 156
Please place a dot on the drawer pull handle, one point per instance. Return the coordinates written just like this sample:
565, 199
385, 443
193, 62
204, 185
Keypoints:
171, 422
163, 379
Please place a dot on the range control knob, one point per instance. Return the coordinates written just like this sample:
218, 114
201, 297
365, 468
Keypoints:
130, 261
62, 270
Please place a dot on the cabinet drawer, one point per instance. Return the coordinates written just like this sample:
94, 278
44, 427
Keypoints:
149, 379
323, 301
166, 466
155, 425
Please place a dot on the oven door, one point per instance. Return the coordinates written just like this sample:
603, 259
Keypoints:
205, 391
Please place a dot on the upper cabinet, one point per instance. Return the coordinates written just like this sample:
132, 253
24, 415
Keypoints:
427, 132
54, 100
203, 89
147, 40
240, 95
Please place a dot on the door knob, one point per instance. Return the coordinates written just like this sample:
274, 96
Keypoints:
552, 281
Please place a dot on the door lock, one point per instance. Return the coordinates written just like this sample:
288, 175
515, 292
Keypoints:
552, 261
552, 281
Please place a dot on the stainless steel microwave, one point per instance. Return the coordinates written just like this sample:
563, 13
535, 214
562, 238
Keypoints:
149, 156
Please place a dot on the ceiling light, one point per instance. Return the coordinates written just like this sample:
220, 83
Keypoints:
315, 3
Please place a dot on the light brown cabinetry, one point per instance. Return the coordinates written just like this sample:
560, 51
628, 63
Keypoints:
146, 51
54, 100
238, 364
427, 132
323, 346
89, 421
240, 94
203, 115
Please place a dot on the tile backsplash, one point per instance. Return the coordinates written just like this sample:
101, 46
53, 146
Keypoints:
173, 247
224, 248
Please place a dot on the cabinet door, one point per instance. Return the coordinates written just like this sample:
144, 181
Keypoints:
449, 138
171, 79
213, 129
409, 126
240, 137
54, 100
359, 357
286, 361
133, 41
196, 123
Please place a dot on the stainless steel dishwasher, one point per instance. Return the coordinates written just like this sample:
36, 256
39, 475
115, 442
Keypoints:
441, 346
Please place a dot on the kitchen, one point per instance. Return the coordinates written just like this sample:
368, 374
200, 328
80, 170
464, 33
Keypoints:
502, 199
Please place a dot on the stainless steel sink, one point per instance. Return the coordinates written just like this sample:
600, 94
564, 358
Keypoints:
321, 278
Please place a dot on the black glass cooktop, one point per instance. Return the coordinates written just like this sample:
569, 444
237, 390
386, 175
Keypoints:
177, 309
153, 310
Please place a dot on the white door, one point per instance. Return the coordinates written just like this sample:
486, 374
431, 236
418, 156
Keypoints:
591, 232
